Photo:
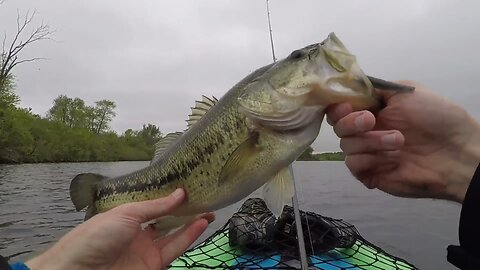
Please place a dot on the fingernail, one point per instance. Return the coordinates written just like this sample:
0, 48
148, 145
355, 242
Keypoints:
389, 139
178, 193
360, 122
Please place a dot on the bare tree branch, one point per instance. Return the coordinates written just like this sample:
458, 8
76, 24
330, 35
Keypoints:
9, 58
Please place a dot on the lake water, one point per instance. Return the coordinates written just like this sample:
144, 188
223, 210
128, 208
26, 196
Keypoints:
35, 209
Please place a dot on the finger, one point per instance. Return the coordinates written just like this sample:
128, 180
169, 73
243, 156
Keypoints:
337, 111
372, 141
152, 209
354, 123
179, 241
365, 166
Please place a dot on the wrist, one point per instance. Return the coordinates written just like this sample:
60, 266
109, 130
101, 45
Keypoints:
465, 163
51, 261
42, 262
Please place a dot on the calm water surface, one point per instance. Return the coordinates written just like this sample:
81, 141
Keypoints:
35, 209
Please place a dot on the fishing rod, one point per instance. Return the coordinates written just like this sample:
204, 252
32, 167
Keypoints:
296, 210
271, 35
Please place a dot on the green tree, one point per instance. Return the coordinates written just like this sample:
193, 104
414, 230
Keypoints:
8, 98
71, 112
307, 154
77, 113
60, 111
103, 114
16, 141
150, 134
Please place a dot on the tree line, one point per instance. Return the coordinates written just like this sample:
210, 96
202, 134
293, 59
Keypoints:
308, 155
71, 132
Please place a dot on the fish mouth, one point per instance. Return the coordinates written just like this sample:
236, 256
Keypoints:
294, 91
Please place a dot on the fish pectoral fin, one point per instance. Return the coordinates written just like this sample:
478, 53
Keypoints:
240, 158
279, 191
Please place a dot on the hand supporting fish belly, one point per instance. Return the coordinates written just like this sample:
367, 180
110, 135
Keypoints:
244, 140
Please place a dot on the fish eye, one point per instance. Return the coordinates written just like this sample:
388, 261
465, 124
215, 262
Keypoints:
297, 54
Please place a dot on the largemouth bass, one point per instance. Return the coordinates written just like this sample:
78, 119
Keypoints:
242, 141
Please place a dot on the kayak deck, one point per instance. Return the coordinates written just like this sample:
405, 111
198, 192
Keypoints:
332, 244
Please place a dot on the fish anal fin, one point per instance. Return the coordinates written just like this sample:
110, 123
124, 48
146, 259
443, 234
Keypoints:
91, 211
169, 224
240, 158
200, 109
164, 143
279, 191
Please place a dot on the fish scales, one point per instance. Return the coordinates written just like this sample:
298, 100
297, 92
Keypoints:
195, 162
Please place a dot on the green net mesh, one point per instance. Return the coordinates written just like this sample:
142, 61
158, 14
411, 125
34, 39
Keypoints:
254, 239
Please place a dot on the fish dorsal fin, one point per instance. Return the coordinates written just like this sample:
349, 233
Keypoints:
201, 107
164, 143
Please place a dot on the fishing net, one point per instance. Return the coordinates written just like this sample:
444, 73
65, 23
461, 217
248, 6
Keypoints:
254, 239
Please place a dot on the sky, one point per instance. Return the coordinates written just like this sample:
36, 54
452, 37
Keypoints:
155, 58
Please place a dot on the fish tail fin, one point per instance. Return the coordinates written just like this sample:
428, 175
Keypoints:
82, 192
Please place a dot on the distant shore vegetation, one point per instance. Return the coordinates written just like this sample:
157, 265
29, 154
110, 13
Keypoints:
70, 132
308, 155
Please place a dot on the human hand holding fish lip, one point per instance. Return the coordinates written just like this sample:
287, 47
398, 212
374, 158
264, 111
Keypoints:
420, 145
115, 239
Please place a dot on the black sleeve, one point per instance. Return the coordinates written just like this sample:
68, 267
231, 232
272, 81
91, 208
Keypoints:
4, 263
467, 255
